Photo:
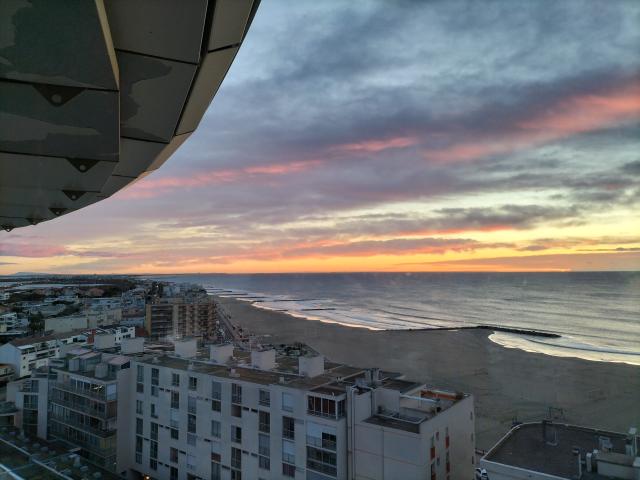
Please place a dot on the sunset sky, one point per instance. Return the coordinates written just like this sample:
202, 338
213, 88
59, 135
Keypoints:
390, 136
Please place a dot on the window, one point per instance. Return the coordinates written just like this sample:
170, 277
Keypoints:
193, 383
287, 402
154, 390
216, 390
139, 444
191, 402
140, 374
191, 423
139, 407
215, 428
264, 445
191, 462
323, 407
174, 418
155, 376
236, 475
154, 431
175, 379
289, 452
236, 434
153, 450
139, 428
154, 413
215, 405
321, 461
173, 455
153, 464
216, 474
264, 421
265, 398
236, 393
236, 457
140, 387
288, 470
236, 411
175, 400
174, 433
264, 463
191, 439
173, 473
288, 427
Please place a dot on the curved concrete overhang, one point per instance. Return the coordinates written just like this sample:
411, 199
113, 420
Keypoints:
97, 94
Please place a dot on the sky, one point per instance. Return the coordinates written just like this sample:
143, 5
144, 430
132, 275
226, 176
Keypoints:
390, 136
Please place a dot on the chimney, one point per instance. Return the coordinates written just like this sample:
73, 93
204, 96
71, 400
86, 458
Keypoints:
221, 353
263, 359
311, 366
187, 348
130, 346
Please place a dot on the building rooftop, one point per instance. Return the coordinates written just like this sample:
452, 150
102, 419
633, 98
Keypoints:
550, 448
334, 380
21, 342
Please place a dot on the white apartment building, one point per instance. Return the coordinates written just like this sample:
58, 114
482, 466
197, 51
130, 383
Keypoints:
267, 414
29, 353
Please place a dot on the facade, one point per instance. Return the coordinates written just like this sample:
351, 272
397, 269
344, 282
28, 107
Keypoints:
549, 451
401, 431
179, 317
29, 353
118, 97
271, 414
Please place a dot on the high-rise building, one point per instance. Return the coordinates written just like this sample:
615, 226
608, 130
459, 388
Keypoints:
180, 317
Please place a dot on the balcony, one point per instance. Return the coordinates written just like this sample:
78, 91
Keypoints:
104, 433
96, 394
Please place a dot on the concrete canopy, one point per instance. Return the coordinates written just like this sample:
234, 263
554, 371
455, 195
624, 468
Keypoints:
96, 94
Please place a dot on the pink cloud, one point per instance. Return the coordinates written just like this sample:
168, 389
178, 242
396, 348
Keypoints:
32, 251
574, 115
375, 145
153, 187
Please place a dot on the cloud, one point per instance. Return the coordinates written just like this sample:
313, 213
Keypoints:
32, 251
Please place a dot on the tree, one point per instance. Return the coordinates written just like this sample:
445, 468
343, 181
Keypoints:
36, 322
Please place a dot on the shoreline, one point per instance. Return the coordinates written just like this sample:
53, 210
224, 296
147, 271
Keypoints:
507, 383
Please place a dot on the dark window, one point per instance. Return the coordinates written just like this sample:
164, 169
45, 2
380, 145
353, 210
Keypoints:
236, 457
264, 421
288, 470
288, 427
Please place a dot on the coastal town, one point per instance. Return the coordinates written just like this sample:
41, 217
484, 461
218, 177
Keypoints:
126, 377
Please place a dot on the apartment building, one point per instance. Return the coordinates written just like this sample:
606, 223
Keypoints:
180, 317
29, 353
83, 398
30, 396
285, 413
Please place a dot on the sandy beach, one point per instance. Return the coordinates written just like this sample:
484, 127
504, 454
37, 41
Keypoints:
507, 383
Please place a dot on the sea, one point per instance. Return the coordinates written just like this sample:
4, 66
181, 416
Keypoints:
596, 314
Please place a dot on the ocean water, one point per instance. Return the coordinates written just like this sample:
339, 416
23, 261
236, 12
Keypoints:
597, 314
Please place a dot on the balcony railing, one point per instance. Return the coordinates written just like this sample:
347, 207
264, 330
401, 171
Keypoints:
104, 433
97, 394
320, 443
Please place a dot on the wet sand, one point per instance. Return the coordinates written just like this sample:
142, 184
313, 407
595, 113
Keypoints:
507, 383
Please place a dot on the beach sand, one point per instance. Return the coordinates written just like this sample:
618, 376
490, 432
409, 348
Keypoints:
507, 383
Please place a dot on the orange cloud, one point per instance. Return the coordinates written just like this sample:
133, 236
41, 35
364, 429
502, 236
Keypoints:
577, 114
